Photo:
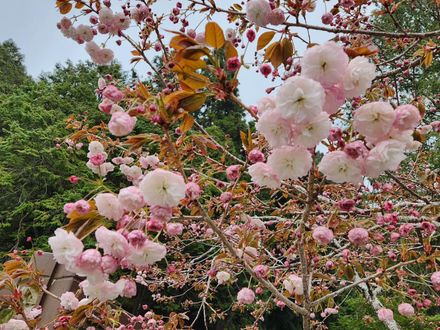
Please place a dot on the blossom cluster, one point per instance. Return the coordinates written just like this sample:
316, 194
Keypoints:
297, 119
127, 247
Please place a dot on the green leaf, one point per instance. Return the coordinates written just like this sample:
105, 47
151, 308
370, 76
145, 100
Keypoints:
6, 315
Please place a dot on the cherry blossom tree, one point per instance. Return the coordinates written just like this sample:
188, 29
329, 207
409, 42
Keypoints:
332, 192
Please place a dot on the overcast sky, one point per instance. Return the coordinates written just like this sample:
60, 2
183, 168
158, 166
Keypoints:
32, 25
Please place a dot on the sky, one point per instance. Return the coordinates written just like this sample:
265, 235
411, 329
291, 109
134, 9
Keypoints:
34, 31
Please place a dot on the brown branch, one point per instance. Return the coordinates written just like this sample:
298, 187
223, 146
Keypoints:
227, 243
218, 145
302, 252
356, 283
418, 35
404, 187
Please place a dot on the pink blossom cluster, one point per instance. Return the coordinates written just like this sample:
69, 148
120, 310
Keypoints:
121, 122
297, 119
97, 159
106, 22
261, 13
161, 190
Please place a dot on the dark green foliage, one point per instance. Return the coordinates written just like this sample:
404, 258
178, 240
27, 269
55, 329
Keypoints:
224, 120
415, 16
12, 70
33, 172
356, 314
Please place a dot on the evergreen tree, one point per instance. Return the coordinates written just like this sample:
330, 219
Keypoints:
12, 70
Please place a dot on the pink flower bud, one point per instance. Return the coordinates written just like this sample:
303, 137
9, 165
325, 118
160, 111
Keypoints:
261, 271
256, 156
346, 204
251, 35
233, 64
394, 237
155, 225
73, 179
69, 207
233, 172
226, 197
136, 238
82, 206
266, 69
193, 191
327, 18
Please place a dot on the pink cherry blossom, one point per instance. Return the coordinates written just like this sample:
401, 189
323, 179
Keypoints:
174, 229
325, 63
112, 93
88, 262
258, 12
337, 166
263, 175
233, 172
275, 129
406, 229
435, 279
109, 264
103, 290
109, 206
358, 236
69, 301
66, 247
300, 99
276, 16
358, 76
290, 162
356, 149
406, 309
129, 288
233, 64
256, 156
322, 235
121, 123
334, 98
147, 254
163, 188
385, 314
261, 271
386, 155
131, 198
311, 132
226, 197
113, 243
346, 204
294, 285
245, 296
374, 119
222, 277
193, 191
82, 206
407, 117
